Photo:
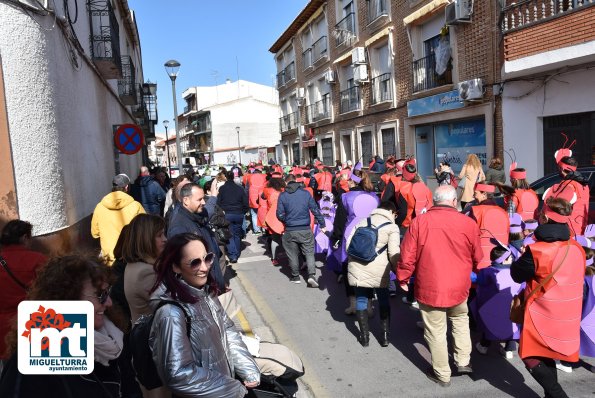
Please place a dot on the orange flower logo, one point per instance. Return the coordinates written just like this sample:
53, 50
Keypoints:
43, 319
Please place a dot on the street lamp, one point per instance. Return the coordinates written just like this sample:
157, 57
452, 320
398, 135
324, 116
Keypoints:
166, 125
239, 153
172, 67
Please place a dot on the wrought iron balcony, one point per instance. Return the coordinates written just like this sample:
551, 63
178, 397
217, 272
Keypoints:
319, 48
127, 84
150, 101
350, 99
345, 29
186, 109
307, 58
286, 75
425, 76
288, 122
523, 13
105, 38
320, 109
381, 88
376, 9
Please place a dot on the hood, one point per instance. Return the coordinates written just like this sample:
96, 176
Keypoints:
116, 200
143, 181
383, 213
578, 177
293, 186
552, 232
380, 161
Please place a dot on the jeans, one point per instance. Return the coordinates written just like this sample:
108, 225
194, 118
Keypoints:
234, 247
255, 227
363, 294
296, 241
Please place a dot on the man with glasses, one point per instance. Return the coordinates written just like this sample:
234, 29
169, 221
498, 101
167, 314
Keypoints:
192, 217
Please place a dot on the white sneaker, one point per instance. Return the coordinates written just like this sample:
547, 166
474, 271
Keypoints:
413, 304
483, 350
563, 368
312, 282
506, 354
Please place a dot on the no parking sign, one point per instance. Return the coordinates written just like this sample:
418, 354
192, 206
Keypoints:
129, 139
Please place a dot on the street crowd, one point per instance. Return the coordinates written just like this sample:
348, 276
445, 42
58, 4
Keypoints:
474, 253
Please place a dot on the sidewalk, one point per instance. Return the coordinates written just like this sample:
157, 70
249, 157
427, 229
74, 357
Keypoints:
249, 319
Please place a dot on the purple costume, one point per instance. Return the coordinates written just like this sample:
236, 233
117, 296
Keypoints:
491, 306
588, 321
327, 208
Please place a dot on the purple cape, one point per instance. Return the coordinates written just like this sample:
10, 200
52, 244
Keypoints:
588, 321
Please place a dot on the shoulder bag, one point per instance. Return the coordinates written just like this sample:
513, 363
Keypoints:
14, 278
517, 306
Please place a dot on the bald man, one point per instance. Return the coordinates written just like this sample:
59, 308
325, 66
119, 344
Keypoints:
148, 192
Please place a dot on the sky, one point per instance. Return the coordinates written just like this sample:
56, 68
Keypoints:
206, 38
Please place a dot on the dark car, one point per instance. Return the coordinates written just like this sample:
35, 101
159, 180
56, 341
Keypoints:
542, 184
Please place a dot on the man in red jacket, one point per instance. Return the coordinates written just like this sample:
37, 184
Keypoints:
441, 248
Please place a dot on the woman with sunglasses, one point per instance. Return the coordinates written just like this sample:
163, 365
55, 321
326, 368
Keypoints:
204, 363
77, 277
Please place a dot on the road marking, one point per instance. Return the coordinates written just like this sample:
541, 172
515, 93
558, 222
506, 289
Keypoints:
283, 337
246, 328
244, 260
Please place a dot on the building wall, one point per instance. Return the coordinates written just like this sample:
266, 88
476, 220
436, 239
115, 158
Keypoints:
60, 118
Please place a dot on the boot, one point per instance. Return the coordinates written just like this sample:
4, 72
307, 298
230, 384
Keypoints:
351, 309
547, 377
385, 327
364, 328
370, 308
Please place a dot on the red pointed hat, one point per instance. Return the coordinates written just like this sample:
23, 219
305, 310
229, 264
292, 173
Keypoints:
485, 188
563, 152
407, 175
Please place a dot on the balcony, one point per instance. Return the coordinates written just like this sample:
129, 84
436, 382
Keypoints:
127, 84
376, 10
140, 110
307, 58
186, 109
345, 30
381, 87
320, 110
425, 76
105, 38
319, 49
350, 99
286, 75
519, 14
288, 122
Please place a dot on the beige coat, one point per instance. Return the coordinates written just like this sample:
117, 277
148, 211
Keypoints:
138, 280
376, 273
468, 178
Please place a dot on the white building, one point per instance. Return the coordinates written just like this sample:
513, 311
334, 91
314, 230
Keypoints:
231, 122
67, 84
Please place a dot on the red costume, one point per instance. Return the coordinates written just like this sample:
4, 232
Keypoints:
493, 223
256, 185
324, 181
419, 200
525, 202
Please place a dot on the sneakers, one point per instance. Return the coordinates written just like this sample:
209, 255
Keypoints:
312, 282
413, 304
506, 354
464, 370
275, 262
432, 376
563, 367
295, 279
483, 350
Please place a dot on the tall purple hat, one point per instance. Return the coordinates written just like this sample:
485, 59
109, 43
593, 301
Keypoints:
352, 176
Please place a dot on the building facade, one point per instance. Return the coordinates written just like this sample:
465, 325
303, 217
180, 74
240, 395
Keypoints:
234, 122
359, 78
65, 86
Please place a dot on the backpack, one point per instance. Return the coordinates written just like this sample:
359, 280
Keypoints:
363, 244
142, 357
453, 181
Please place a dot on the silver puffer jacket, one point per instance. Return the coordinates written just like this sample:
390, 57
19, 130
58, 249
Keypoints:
204, 365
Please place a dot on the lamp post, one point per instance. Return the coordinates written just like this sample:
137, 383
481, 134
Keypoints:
172, 67
166, 124
239, 153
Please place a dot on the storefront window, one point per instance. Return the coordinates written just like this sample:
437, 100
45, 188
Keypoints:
454, 141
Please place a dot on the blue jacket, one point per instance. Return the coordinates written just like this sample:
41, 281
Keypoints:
149, 193
378, 166
294, 207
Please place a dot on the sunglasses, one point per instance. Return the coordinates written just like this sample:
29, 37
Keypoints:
103, 296
207, 260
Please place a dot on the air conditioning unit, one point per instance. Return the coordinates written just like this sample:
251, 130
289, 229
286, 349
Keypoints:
458, 12
360, 73
300, 92
358, 55
329, 76
471, 90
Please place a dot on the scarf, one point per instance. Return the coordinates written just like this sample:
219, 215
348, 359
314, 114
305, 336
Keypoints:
109, 341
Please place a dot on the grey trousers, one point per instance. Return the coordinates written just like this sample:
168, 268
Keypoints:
293, 243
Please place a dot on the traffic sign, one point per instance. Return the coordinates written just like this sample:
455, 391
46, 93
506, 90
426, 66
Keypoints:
129, 139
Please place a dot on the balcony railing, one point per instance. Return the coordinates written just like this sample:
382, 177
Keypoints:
381, 88
319, 48
519, 14
320, 109
345, 29
127, 84
288, 122
425, 76
350, 99
376, 9
105, 38
286, 75
186, 109
307, 58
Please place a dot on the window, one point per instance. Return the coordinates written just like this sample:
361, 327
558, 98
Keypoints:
434, 67
327, 151
381, 82
345, 28
367, 147
307, 46
389, 147
319, 105
376, 9
295, 149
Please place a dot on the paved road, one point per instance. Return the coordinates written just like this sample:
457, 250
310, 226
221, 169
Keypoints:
312, 323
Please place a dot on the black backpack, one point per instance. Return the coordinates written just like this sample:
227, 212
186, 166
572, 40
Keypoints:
363, 244
142, 357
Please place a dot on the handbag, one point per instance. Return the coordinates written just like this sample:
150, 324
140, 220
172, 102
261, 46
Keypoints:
14, 278
517, 306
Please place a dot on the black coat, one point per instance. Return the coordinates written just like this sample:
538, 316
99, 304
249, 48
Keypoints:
232, 198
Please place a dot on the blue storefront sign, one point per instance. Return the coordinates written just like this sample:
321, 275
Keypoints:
435, 103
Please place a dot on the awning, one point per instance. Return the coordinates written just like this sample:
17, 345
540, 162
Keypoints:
309, 143
377, 36
426, 10
343, 57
